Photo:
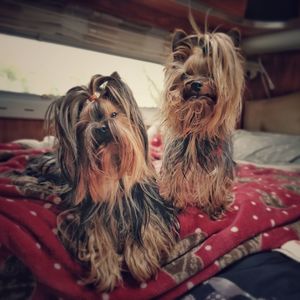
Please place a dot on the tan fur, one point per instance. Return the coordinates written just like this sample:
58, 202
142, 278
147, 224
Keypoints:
200, 121
102, 179
120, 223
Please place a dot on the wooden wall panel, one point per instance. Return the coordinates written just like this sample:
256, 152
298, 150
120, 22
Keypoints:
284, 71
12, 129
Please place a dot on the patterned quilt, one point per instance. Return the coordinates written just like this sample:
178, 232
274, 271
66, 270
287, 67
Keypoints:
265, 215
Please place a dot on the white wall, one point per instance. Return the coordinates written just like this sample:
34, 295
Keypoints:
34, 107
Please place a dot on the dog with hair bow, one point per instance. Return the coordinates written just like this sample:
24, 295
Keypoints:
118, 220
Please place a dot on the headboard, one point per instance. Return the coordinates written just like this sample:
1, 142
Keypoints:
279, 115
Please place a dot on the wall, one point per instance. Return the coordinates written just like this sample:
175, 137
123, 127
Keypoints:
284, 71
22, 116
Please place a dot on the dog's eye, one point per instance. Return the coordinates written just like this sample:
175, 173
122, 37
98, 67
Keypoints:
205, 46
205, 50
201, 43
184, 76
114, 114
179, 57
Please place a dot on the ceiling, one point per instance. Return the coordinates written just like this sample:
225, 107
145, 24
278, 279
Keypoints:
141, 28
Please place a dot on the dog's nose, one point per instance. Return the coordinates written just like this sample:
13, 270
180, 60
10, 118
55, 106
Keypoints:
103, 128
102, 135
196, 86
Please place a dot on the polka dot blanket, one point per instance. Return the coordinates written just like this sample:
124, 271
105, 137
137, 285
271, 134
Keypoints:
265, 215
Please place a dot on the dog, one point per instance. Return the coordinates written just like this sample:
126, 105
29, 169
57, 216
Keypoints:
113, 218
204, 82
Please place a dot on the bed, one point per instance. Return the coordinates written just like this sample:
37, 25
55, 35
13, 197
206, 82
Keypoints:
259, 238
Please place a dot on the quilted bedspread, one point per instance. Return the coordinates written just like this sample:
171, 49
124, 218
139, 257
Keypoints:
265, 215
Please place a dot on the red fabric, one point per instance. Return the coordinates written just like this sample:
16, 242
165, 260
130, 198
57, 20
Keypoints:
156, 147
266, 212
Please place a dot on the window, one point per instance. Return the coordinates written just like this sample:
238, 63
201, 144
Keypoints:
35, 67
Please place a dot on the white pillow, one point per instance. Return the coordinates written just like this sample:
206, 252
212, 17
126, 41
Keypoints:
266, 148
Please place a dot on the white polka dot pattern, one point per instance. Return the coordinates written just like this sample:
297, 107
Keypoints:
57, 266
234, 229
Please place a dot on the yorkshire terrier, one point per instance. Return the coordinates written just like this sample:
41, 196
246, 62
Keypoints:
204, 81
118, 219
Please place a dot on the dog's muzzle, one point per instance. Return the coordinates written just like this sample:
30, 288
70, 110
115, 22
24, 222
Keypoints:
102, 134
198, 90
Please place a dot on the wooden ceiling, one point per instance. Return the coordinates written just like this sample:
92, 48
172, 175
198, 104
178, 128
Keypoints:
133, 28
166, 15
170, 14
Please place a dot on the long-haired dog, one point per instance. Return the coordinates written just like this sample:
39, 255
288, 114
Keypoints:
114, 219
204, 81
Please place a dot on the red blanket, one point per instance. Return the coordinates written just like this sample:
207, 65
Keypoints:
265, 215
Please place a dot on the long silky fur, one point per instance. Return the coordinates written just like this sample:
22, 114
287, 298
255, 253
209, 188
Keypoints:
197, 166
201, 175
113, 218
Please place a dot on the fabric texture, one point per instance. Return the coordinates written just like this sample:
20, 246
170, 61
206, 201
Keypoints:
265, 276
265, 215
266, 148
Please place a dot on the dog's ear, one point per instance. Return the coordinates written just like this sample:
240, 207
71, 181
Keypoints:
235, 36
116, 75
63, 115
178, 35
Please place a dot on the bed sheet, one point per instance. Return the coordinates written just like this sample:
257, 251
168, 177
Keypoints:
264, 216
266, 148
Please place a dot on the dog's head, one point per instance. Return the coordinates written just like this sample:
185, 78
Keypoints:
203, 84
102, 141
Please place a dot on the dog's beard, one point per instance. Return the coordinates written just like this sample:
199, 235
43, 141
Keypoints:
120, 218
201, 103
110, 169
188, 116
209, 60
117, 218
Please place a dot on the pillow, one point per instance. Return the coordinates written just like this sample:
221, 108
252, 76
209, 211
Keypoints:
280, 114
47, 142
266, 148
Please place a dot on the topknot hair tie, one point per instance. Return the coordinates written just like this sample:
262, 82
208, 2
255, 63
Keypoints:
94, 97
103, 86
